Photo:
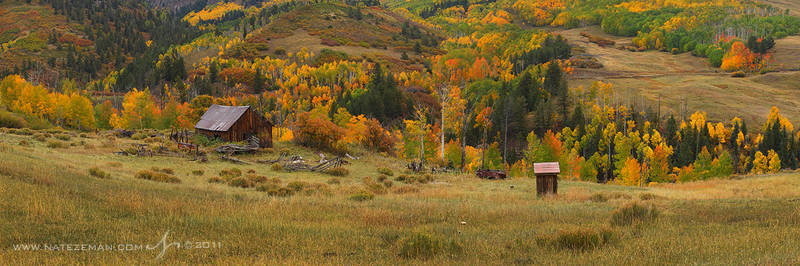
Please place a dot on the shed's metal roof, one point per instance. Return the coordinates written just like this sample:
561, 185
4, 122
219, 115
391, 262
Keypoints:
220, 117
546, 168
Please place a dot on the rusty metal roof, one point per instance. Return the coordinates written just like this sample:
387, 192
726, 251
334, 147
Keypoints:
546, 168
220, 117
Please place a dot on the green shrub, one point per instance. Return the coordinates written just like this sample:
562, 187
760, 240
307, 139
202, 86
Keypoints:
385, 171
337, 171
362, 196
297, 185
55, 144
241, 182
388, 183
198, 172
96, 172
204, 140
578, 239
12, 120
334, 181
276, 167
419, 246
633, 214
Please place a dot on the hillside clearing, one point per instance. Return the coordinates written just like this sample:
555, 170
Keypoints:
670, 78
47, 196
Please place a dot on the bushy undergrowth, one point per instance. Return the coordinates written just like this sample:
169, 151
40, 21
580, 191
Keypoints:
169, 171
157, 176
578, 239
425, 246
338, 171
363, 195
385, 171
96, 172
198, 172
633, 214
373, 186
56, 144
273, 188
411, 179
12, 120
230, 173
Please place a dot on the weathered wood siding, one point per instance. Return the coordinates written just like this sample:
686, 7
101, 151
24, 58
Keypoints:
546, 184
249, 124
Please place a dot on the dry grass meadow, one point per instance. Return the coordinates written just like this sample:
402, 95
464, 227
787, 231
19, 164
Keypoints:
47, 196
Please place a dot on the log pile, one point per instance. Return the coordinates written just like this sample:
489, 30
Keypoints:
252, 146
297, 163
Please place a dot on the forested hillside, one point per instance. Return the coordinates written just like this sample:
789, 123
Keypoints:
454, 83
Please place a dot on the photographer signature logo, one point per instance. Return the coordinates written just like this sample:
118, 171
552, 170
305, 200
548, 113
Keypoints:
164, 245
161, 246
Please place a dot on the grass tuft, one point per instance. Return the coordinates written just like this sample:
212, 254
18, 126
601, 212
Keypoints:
385, 171
362, 196
157, 176
338, 171
633, 214
96, 172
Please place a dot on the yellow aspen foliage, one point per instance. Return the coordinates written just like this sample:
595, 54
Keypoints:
630, 174
776, 117
774, 162
760, 164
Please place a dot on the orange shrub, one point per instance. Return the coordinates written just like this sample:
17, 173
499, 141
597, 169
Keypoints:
317, 133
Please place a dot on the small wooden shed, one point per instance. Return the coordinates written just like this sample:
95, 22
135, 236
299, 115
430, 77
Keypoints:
546, 177
235, 123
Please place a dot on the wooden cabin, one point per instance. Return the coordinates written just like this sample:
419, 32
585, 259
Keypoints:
546, 178
235, 123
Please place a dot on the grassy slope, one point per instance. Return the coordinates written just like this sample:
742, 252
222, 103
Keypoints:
652, 74
46, 196
377, 35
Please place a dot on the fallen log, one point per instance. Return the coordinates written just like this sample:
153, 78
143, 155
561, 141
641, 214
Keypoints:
231, 159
